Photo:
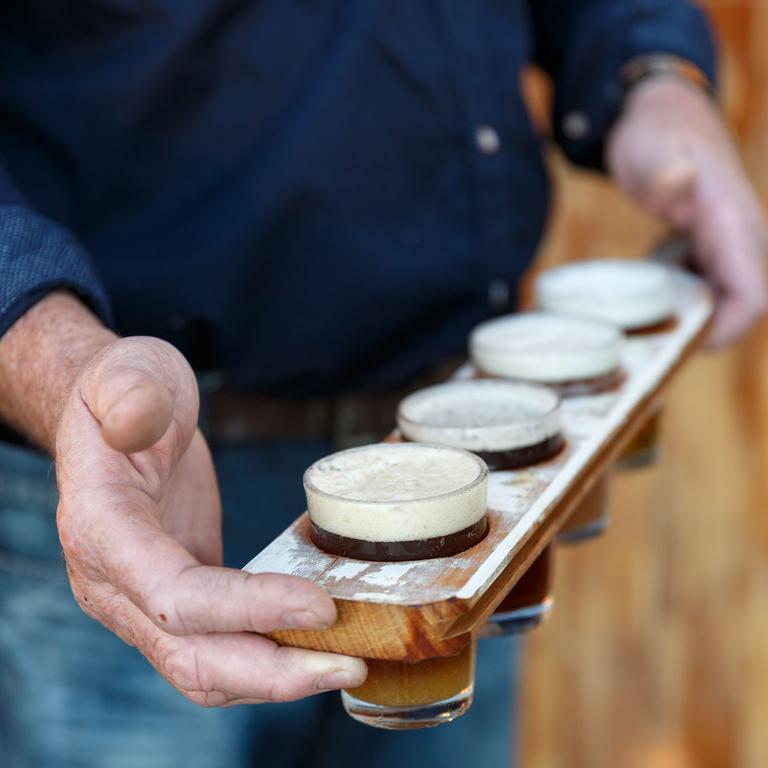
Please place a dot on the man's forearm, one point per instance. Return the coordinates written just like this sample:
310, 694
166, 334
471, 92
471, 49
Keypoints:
40, 357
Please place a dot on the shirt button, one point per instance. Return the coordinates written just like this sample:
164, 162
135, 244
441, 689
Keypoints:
576, 126
498, 294
487, 140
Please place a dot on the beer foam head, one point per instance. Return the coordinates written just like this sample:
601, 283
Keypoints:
481, 415
397, 491
631, 294
543, 347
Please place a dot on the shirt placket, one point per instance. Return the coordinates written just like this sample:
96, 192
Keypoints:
485, 141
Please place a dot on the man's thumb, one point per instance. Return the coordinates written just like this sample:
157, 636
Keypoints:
134, 394
134, 410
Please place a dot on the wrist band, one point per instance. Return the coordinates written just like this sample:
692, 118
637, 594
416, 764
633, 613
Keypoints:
658, 64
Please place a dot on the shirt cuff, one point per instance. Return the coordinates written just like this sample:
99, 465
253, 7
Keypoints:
590, 97
37, 257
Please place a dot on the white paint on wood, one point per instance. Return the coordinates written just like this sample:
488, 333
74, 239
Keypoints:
518, 501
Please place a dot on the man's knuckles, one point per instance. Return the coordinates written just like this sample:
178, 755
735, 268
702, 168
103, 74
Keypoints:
208, 699
178, 662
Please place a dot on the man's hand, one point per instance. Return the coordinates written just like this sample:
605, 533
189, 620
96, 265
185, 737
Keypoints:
139, 520
671, 152
139, 513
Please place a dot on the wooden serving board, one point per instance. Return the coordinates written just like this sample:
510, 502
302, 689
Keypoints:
416, 610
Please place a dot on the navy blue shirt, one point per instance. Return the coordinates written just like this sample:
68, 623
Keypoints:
309, 195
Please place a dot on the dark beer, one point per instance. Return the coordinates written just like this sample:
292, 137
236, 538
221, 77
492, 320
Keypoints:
517, 458
395, 551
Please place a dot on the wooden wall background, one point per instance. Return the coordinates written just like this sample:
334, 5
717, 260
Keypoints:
657, 652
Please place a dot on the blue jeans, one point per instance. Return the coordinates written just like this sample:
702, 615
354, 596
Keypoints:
72, 695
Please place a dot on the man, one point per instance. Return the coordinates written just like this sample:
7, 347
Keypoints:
311, 204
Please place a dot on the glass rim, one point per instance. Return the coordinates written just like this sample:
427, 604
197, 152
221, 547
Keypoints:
498, 383
631, 289
615, 335
479, 480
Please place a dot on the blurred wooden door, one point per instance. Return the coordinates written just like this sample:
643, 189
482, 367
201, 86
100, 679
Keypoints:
657, 653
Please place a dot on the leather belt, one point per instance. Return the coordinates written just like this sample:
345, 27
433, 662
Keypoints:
349, 420
346, 420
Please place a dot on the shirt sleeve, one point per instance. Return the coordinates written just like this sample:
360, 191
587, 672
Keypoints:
38, 256
583, 44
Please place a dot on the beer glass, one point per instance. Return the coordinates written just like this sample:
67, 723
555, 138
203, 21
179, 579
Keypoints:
591, 517
528, 602
511, 425
575, 356
394, 502
637, 296
645, 448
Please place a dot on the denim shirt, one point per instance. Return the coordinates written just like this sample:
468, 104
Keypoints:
306, 195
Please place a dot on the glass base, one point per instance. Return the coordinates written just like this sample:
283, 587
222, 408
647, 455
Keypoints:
584, 532
407, 718
644, 450
518, 621
640, 458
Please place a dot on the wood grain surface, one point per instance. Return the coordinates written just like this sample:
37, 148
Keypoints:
656, 655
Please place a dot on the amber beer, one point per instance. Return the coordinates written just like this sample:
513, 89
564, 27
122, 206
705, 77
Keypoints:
575, 356
591, 517
402, 501
418, 684
637, 296
644, 449
529, 601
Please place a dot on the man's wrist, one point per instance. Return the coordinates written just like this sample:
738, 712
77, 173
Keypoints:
41, 357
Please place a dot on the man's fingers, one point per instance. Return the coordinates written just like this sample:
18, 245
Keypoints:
670, 193
214, 670
204, 599
173, 589
183, 597
671, 181
741, 301
731, 250
665, 186
732, 320
227, 669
